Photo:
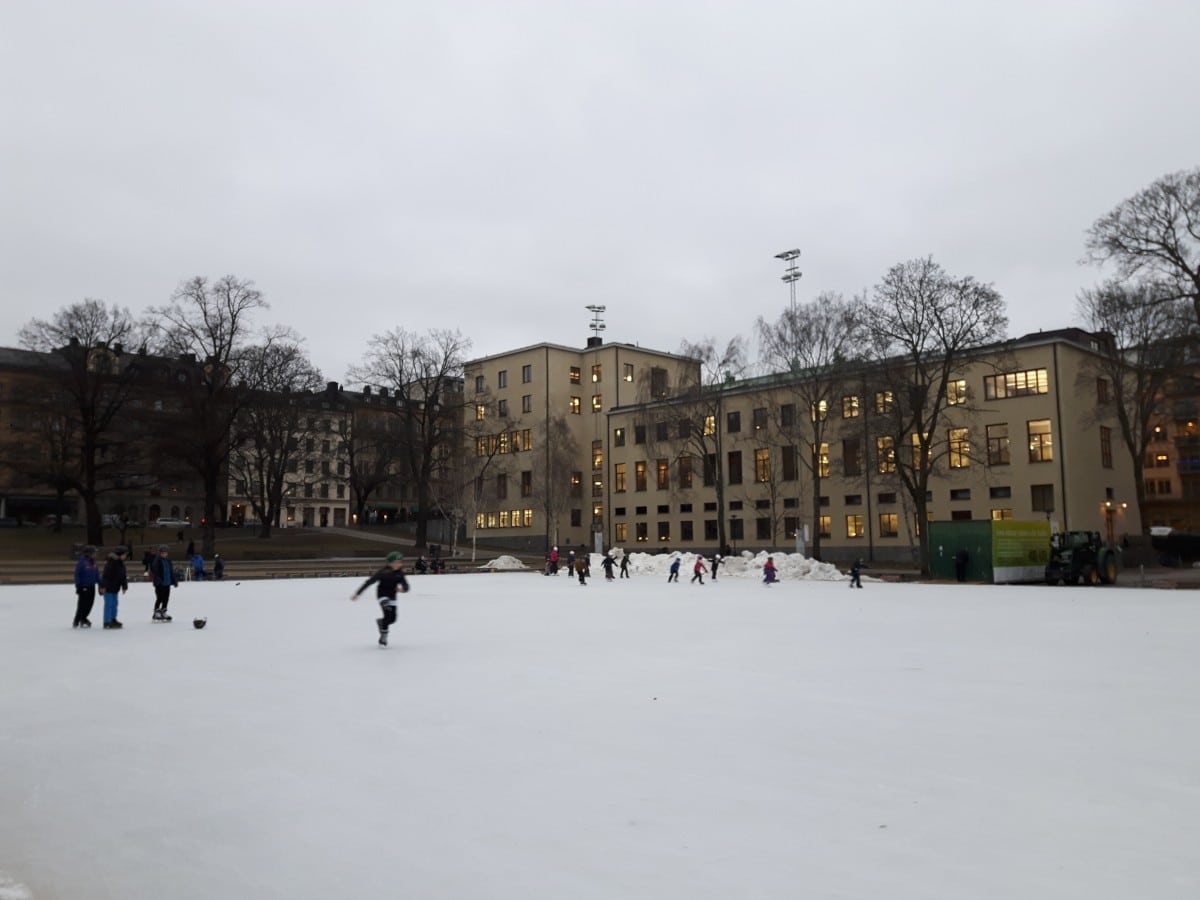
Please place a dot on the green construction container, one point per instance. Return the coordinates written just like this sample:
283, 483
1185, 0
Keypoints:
1002, 551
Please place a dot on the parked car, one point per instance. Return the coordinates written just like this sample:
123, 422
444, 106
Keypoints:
168, 522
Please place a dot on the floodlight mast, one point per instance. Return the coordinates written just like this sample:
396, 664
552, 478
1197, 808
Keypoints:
793, 273
597, 325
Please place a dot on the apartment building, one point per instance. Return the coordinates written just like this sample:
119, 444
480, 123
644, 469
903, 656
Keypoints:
537, 432
1028, 433
1171, 468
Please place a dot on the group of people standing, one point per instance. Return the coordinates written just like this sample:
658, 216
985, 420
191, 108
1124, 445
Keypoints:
113, 580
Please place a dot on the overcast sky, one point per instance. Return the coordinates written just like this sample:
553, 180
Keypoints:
497, 166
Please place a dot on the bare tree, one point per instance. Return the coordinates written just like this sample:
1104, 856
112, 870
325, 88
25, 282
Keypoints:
92, 381
1150, 332
274, 425
366, 439
1155, 235
692, 419
923, 324
811, 345
425, 374
212, 322
554, 490
460, 489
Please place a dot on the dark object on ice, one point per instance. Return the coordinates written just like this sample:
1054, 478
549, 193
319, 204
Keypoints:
199, 623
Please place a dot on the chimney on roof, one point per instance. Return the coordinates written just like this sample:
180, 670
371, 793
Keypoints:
331, 387
595, 341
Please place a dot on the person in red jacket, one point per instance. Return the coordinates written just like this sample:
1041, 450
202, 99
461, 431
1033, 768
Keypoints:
699, 569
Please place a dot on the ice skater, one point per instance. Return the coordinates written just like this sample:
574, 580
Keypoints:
769, 573
113, 583
856, 574
162, 576
388, 581
608, 563
624, 565
716, 564
674, 570
583, 569
87, 576
698, 570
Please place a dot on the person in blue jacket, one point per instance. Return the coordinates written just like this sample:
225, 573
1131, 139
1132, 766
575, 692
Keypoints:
113, 583
87, 576
674, 576
162, 575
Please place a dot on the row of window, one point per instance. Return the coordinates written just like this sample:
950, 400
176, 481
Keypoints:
995, 387
1040, 449
505, 518
764, 528
574, 376
504, 442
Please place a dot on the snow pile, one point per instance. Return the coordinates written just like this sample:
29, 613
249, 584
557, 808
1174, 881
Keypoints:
504, 564
11, 890
790, 566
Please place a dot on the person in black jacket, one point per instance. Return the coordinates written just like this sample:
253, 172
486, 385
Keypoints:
389, 580
113, 583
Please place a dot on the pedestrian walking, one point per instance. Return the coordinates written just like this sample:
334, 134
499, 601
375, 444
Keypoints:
674, 571
769, 573
162, 576
698, 570
856, 574
87, 576
113, 583
147, 558
388, 581
218, 567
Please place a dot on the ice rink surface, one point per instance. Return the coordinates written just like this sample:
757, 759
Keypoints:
524, 737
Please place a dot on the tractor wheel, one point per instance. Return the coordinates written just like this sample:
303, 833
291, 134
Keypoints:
1108, 569
1090, 576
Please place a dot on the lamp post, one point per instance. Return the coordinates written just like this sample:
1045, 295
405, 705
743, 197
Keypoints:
793, 273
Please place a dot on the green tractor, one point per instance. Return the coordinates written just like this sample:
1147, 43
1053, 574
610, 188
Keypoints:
1080, 557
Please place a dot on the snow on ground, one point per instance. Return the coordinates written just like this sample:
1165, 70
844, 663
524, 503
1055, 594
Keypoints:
504, 564
525, 737
790, 566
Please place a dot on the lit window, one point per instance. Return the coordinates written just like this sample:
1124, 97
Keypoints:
960, 448
1041, 443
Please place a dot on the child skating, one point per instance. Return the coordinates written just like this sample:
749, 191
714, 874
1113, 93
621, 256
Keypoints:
388, 581
769, 572
162, 575
856, 574
87, 576
674, 576
698, 570
113, 583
